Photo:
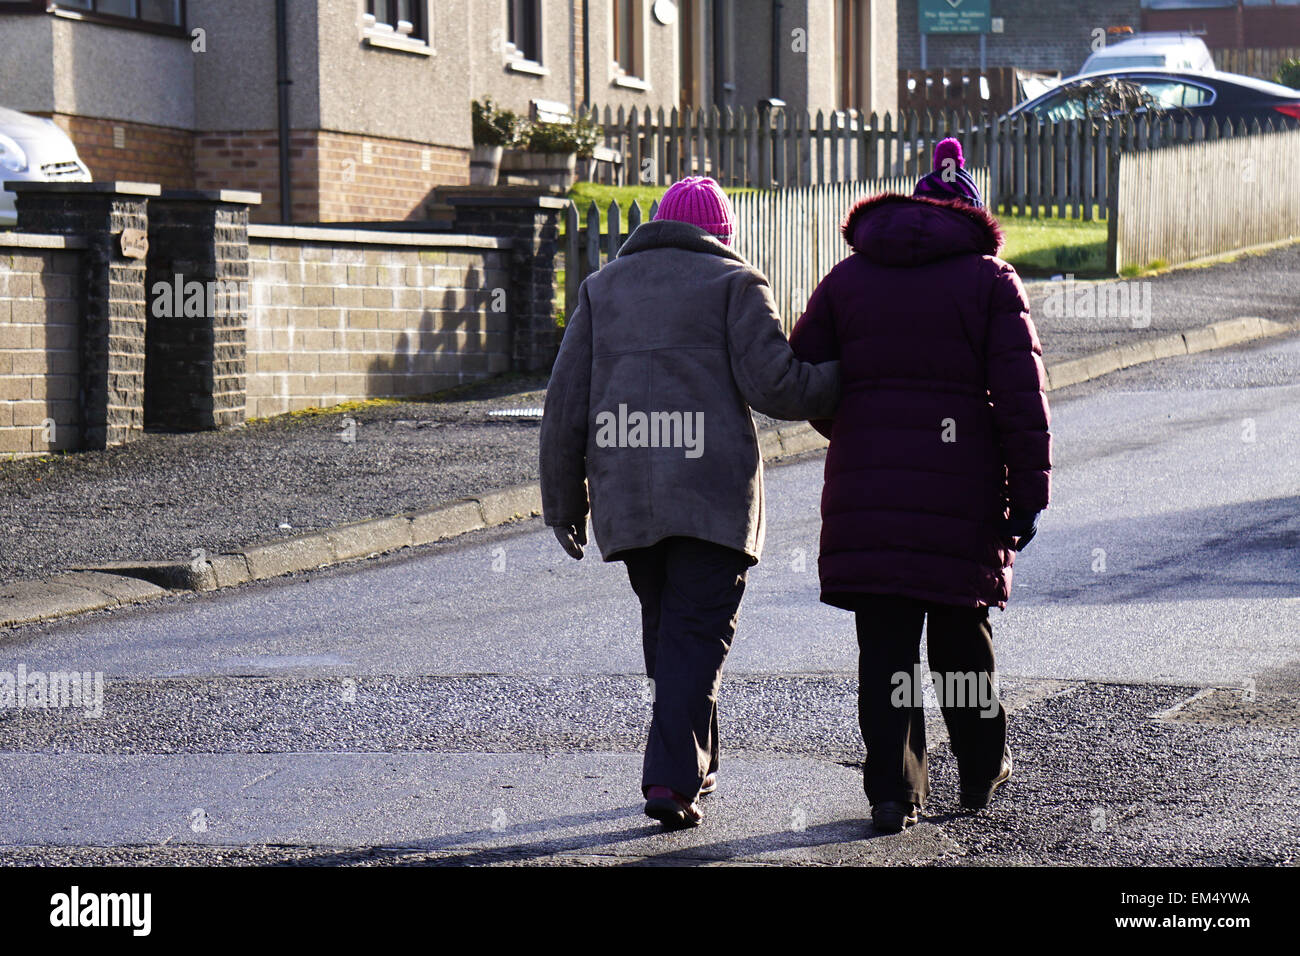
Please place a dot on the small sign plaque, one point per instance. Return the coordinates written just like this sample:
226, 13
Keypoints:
135, 243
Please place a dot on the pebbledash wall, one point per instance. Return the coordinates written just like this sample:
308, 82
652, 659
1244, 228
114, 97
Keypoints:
213, 320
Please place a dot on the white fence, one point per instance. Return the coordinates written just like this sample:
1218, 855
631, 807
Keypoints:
791, 235
1205, 199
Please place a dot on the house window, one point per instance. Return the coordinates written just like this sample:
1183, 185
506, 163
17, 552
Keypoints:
164, 12
629, 39
403, 17
524, 29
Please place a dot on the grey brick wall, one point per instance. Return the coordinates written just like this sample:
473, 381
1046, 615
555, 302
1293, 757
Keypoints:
40, 345
335, 319
195, 362
224, 319
532, 225
112, 295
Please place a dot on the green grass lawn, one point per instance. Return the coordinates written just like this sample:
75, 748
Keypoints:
1047, 247
586, 193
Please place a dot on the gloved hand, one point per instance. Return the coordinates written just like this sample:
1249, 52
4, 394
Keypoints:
572, 538
1020, 528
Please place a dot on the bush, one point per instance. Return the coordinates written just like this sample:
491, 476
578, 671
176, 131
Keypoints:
1288, 74
580, 136
494, 126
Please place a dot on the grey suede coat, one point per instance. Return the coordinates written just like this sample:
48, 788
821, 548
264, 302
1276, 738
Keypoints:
682, 330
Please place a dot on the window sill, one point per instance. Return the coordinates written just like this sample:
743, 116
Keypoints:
631, 83
108, 20
393, 41
531, 67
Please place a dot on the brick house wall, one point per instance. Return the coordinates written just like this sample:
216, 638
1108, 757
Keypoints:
367, 177
250, 160
131, 152
1250, 27
337, 177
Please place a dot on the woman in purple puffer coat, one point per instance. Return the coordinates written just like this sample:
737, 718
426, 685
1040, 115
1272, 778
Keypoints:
939, 463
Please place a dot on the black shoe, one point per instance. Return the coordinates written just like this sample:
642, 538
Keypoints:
671, 809
892, 816
977, 798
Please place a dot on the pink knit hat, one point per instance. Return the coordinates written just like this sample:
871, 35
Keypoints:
701, 202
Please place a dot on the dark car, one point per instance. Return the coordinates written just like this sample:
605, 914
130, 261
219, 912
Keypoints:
1221, 96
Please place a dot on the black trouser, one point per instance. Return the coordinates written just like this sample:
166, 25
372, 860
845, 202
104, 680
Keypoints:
690, 593
890, 685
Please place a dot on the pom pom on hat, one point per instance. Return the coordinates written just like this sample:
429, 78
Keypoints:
948, 149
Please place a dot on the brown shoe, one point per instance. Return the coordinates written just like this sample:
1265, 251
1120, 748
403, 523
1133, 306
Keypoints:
710, 784
671, 809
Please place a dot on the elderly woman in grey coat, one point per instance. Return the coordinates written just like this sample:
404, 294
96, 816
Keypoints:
647, 426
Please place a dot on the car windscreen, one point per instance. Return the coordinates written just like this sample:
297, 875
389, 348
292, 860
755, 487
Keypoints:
1126, 62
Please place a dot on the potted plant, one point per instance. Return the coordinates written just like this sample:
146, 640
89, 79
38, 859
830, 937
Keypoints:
552, 151
1288, 74
494, 130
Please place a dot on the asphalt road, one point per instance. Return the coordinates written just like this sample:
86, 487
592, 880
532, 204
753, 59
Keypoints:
480, 701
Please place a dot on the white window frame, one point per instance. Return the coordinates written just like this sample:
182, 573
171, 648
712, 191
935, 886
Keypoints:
640, 39
515, 59
384, 36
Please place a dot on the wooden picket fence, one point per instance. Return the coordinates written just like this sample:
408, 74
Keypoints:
792, 236
1205, 199
1064, 168
1261, 64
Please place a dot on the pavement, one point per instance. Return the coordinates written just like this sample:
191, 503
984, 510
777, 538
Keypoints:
478, 700
1263, 285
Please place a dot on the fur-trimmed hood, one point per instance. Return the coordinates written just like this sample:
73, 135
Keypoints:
896, 230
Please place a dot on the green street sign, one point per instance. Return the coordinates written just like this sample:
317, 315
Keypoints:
956, 16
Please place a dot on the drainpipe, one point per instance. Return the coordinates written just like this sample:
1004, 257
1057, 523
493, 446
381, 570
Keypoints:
282, 82
719, 53
586, 52
777, 43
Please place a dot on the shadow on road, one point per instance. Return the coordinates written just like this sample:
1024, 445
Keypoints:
1242, 550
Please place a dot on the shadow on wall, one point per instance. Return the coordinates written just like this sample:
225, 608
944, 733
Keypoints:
434, 357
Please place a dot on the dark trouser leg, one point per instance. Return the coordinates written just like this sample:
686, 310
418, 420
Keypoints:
645, 570
960, 643
890, 708
699, 602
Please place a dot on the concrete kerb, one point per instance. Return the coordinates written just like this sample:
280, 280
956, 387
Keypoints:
120, 583
75, 592
1220, 335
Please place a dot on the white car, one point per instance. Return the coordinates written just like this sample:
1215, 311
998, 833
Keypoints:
1170, 51
34, 149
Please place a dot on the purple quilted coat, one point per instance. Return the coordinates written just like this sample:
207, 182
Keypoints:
942, 426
